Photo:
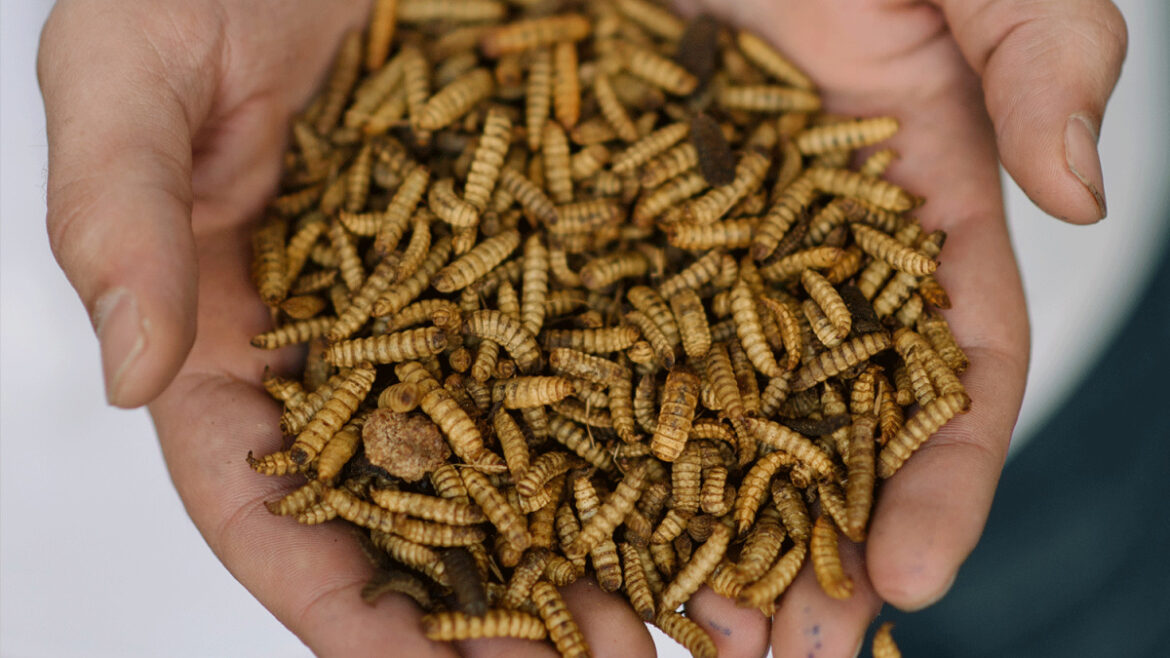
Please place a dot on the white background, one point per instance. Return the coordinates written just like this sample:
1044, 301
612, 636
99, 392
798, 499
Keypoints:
97, 556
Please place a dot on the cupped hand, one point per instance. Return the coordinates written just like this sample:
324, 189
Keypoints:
970, 81
167, 120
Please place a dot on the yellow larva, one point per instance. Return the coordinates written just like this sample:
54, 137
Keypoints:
390, 348
456, 99
507, 520
476, 263
827, 560
777, 579
531, 198
846, 135
763, 55
686, 632
749, 331
782, 438
450, 626
646, 148
558, 171
728, 234
680, 396
653, 18
781, 216
526, 34
461, 432
489, 157
677, 160
712, 206
612, 109
301, 331
899, 256
562, 630
846, 355
883, 643
603, 271
603, 554
336, 411
918, 428
594, 341
269, 261
426, 507
609, 515
656, 69
538, 96
297, 500
346, 68
829, 301
935, 329
566, 84
771, 99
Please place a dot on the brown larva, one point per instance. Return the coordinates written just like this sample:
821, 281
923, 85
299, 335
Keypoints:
680, 396
496, 622
526, 34
762, 54
686, 632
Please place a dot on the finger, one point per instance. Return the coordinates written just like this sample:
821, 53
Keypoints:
610, 625
736, 631
929, 516
1048, 69
119, 192
810, 623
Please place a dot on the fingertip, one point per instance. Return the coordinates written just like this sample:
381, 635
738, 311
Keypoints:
610, 625
736, 631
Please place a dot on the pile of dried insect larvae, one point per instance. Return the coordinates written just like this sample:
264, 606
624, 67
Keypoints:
591, 288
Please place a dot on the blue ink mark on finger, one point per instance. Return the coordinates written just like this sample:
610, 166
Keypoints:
723, 630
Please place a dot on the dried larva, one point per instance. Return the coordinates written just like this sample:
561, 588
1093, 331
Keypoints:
269, 260
718, 201
653, 18
603, 553
343, 77
390, 348
749, 331
918, 428
935, 329
507, 520
656, 69
298, 500
638, 590
679, 398
695, 572
497, 622
508, 332
600, 525
567, 433
686, 632
521, 585
754, 487
301, 331
846, 135
859, 461
830, 363
646, 148
771, 99
442, 510
594, 341
456, 99
456, 425
728, 234
899, 256
774, 581
335, 412
360, 512
566, 91
827, 561
457, 11
763, 55
721, 378
527, 34
575, 363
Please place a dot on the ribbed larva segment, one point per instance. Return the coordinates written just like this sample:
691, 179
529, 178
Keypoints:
728, 234
693, 327
566, 84
612, 108
793, 264
687, 633
526, 34
695, 572
522, 392
846, 135
535, 287
826, 560
712, 206
920, 427
489, 157
750, 332
558, 173
449, 207
546, 467
391, 348
298, 500
508, 332
883, 643
575, 363
461, 432
694, 276
604, 271
454, 100
829, 301
637, 587
562, 630
301, 331
538, 96
762, 54
456, 11
641, 151
653, 18
508, 521
771, 99
677, 160
781, 216
900, 256
832, 362
569, 434
676, 190
777, 579
783, 438
657, 70
679, 398
594, 341
602, 524
449, 626
326, 422
360, 512
529, 195
269, 260
476, 263
936, 330
442, 510
859, 186
859, 462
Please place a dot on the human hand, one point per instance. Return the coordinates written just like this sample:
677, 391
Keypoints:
167, 121
1047, 69
165, 146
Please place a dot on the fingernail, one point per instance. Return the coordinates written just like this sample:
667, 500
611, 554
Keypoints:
1080, 150
122, 334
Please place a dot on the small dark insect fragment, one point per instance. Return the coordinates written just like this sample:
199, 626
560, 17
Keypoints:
466, 583
865, 319
698, 49
818, 426
716, 161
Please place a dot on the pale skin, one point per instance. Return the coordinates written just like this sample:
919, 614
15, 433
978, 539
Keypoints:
166, 122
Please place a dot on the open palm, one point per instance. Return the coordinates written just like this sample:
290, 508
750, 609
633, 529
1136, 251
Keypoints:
167, 121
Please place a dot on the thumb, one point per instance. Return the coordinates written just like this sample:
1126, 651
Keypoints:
1048, 68
119, 198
